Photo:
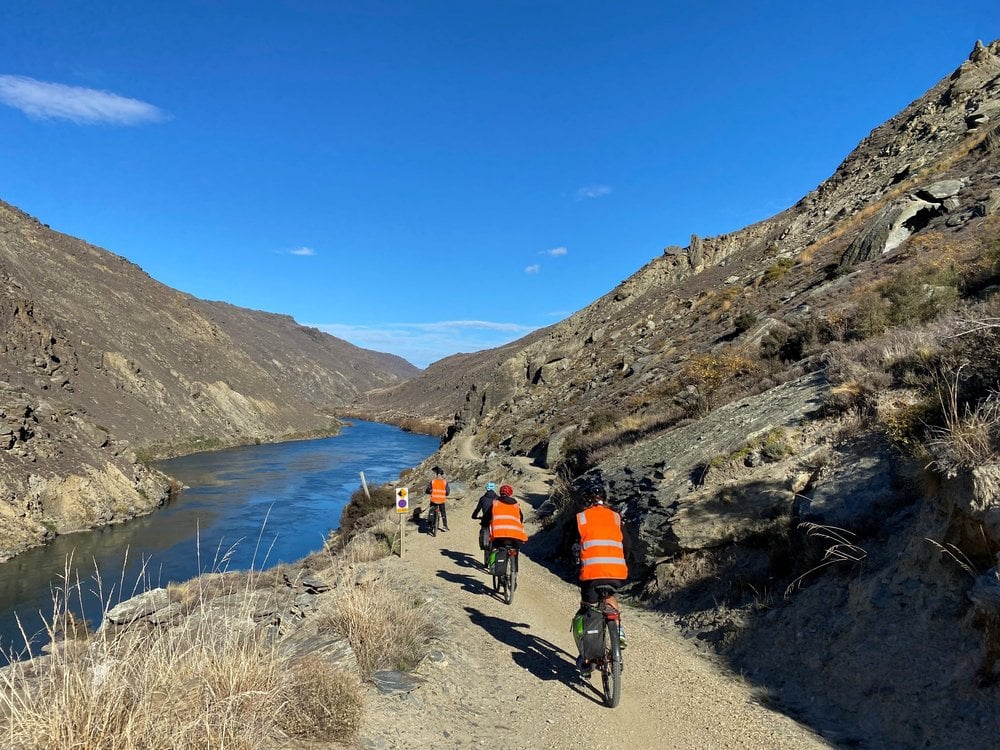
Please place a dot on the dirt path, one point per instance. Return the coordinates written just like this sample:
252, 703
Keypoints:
505, 676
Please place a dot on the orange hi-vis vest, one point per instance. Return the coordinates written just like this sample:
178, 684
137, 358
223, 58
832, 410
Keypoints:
506, 522
601, 552
439, 491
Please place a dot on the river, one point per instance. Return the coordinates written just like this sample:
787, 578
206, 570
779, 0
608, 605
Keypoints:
242, 508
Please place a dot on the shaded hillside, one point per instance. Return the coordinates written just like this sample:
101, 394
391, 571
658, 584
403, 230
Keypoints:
799, 422
98, 360
445, 389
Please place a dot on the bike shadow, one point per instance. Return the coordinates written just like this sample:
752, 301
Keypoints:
540, 657
468, 583
462, 559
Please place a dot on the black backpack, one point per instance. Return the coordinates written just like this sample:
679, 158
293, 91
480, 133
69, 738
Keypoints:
588, 632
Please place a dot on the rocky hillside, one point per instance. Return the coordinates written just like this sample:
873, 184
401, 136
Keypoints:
98, 362
799, 422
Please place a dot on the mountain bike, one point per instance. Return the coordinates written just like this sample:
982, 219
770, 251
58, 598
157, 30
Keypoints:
484, 543
432, 520
610, 661
505, 582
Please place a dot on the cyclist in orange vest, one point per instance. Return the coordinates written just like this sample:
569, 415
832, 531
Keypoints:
439, 490
603, 545
506, 519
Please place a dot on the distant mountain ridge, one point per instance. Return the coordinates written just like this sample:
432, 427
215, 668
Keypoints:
98, 360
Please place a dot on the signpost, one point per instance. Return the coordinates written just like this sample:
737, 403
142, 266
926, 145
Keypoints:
402, 508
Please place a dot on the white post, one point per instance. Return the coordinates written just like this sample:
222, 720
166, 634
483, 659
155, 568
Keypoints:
364, 485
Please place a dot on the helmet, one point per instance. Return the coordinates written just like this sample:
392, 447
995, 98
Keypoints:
506, 490
595, 493
491, 486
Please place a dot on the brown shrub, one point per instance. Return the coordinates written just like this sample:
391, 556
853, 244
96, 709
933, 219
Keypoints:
324, 702
386, 627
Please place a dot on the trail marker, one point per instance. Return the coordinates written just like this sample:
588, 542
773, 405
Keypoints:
402, 506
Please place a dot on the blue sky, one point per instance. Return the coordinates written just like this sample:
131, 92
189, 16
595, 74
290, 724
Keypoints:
441, 176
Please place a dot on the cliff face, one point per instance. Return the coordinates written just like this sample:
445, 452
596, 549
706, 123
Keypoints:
773, 411
98, 360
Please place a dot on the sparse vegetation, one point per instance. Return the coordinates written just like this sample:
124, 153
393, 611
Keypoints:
380, 619
778, 269
365, 510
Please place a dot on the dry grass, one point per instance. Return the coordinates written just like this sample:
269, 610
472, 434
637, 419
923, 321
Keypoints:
217, 678
211, 685
323, 701
387, 627
971, 433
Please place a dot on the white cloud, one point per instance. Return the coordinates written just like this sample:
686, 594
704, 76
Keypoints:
423, 343
80, 105
556, 251
533, 268
302, 251
592, 191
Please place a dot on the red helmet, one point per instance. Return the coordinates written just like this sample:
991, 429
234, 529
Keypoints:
506, 490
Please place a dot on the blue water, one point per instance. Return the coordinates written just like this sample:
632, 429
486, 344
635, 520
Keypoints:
242, 508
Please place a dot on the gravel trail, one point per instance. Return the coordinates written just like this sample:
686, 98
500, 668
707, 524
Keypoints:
504, 675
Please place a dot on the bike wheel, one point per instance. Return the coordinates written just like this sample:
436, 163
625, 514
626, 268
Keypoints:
510, 583
611, 665
432, 517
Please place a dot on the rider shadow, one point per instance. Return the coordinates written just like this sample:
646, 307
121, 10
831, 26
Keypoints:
462, 559
542, 658
468, 583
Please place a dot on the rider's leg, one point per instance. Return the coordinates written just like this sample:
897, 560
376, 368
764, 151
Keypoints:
444, 516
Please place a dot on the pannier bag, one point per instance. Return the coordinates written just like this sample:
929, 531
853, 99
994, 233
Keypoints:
498, 562
588, 627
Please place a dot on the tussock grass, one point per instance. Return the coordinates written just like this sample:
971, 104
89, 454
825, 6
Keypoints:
206, 686
218, 678
387, 627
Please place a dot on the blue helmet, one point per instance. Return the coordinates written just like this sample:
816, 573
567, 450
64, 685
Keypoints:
491, 486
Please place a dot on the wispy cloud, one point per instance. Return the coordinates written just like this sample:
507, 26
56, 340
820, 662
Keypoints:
308, 251
423, 343
533, 268
83, 106
555, 252
592, 191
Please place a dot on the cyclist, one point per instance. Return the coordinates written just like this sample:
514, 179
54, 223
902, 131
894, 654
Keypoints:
439, 490
506, 520
482, 512
604, 545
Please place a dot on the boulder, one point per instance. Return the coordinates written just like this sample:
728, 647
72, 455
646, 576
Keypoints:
138, 607
889, 229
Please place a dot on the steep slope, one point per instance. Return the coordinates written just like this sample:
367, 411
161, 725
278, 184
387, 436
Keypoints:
925, 167
98, 360
777, 413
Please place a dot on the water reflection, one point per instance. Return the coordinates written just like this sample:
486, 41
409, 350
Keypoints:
244, 507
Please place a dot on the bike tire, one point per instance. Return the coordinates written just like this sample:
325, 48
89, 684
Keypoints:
432, 517
611, 665
510, 583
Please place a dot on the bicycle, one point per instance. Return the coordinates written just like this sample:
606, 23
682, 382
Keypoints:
484, 544
505, 582
432, 520
610, 660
